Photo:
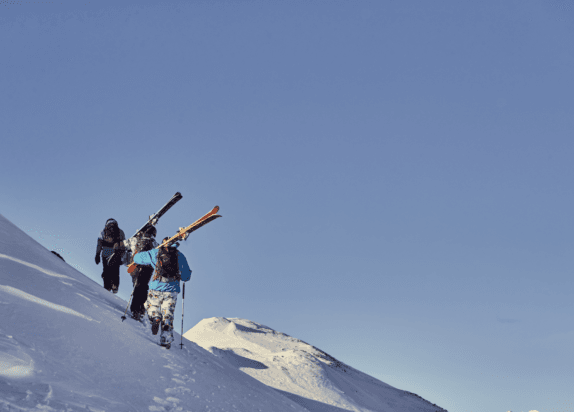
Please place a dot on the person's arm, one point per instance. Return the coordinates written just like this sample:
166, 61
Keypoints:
183, 267
129, 244
144, 258
98, 251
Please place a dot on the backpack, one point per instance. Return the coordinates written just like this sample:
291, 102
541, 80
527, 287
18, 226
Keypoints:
167, 265
143, 244
111, 233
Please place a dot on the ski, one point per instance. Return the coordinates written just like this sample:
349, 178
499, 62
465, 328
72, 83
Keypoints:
184, 232
152, 221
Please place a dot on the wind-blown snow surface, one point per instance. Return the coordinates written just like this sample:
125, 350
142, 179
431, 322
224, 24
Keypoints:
300, 371
63, 347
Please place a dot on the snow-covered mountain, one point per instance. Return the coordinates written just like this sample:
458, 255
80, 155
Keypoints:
301, 372
63, 347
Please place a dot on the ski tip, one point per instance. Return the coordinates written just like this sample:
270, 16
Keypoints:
215, 209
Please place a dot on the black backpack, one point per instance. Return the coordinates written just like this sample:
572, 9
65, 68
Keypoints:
111, 233
167, 265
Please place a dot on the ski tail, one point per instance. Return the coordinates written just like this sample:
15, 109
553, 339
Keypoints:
184, 232
175, 198
203, 222
155, 217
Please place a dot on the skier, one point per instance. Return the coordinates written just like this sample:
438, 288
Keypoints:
108, 237
170, 266
142, 275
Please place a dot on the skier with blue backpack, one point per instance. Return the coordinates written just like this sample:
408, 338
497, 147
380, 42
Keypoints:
170, 266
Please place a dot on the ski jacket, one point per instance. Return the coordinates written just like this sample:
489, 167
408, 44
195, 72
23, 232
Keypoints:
107, 248
150, 258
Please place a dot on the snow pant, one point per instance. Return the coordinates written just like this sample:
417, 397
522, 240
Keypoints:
110, 275
161, 305
141, 275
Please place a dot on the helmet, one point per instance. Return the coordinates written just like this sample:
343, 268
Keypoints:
151, 231
111, 222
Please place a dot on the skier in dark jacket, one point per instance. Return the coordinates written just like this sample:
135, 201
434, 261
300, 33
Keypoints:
170, 266
142, 274
108, 237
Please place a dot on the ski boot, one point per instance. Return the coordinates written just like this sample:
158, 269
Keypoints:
155, 322
163, 343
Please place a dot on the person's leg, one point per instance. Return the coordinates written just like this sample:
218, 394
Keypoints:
137, 298
153, 308
106, 277
115, 277
167, 311
141, 290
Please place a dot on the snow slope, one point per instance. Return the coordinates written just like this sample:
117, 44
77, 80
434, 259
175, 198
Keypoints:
300, 371
63, 347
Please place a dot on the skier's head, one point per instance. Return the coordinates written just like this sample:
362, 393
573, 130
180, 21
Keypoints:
150, 232
111, 222
111, 232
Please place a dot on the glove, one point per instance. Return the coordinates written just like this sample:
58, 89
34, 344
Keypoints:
185, 235
98, 259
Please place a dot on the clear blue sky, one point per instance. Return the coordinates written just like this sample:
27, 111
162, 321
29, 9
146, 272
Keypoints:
395, 178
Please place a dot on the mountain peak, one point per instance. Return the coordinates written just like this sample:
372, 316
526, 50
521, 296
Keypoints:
298, 370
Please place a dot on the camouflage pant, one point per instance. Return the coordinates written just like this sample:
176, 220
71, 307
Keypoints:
162, 305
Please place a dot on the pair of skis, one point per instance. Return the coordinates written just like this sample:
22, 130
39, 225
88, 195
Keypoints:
184, 232
153, 219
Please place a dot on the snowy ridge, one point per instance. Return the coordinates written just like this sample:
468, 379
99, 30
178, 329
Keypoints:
300, 371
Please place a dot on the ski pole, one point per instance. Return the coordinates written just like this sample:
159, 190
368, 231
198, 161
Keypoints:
129, 301
182, 302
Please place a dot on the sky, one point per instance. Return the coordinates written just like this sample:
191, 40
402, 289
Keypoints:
393, 176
